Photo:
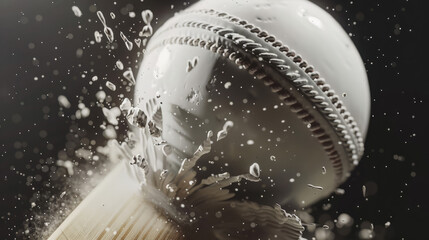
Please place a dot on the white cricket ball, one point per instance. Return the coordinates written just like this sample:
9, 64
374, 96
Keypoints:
283, 72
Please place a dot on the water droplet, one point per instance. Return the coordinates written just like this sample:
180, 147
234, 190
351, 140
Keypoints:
112, 15
76, 11
344, 94
68, 165
107, 31
326, 206
364, 190
63, 101
227, 85
109, 34
344, 220
340, 191
315, 187
98, 36
147, 16
147, 31
112, 114
110, 132
387, 224
323, 170
119, 65
171, 187
125, 105
128, 74
62, 194
325, 227
254, 170
273, 158
101, 96
111, 86
127, 42
101, 17
224, 132
250, 142
138, 42
221, 135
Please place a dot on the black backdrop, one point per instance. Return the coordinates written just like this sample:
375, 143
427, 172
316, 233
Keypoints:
39, 60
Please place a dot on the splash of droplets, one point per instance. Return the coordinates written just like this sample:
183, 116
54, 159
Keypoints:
76, 11
111, 86
63, 101
254, 170
127, 42
315, 187
128, 74
119, 65
107, 30
98, 36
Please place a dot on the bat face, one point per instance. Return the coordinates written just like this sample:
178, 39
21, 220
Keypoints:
286, 78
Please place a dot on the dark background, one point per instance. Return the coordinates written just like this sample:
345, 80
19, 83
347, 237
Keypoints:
39, 41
